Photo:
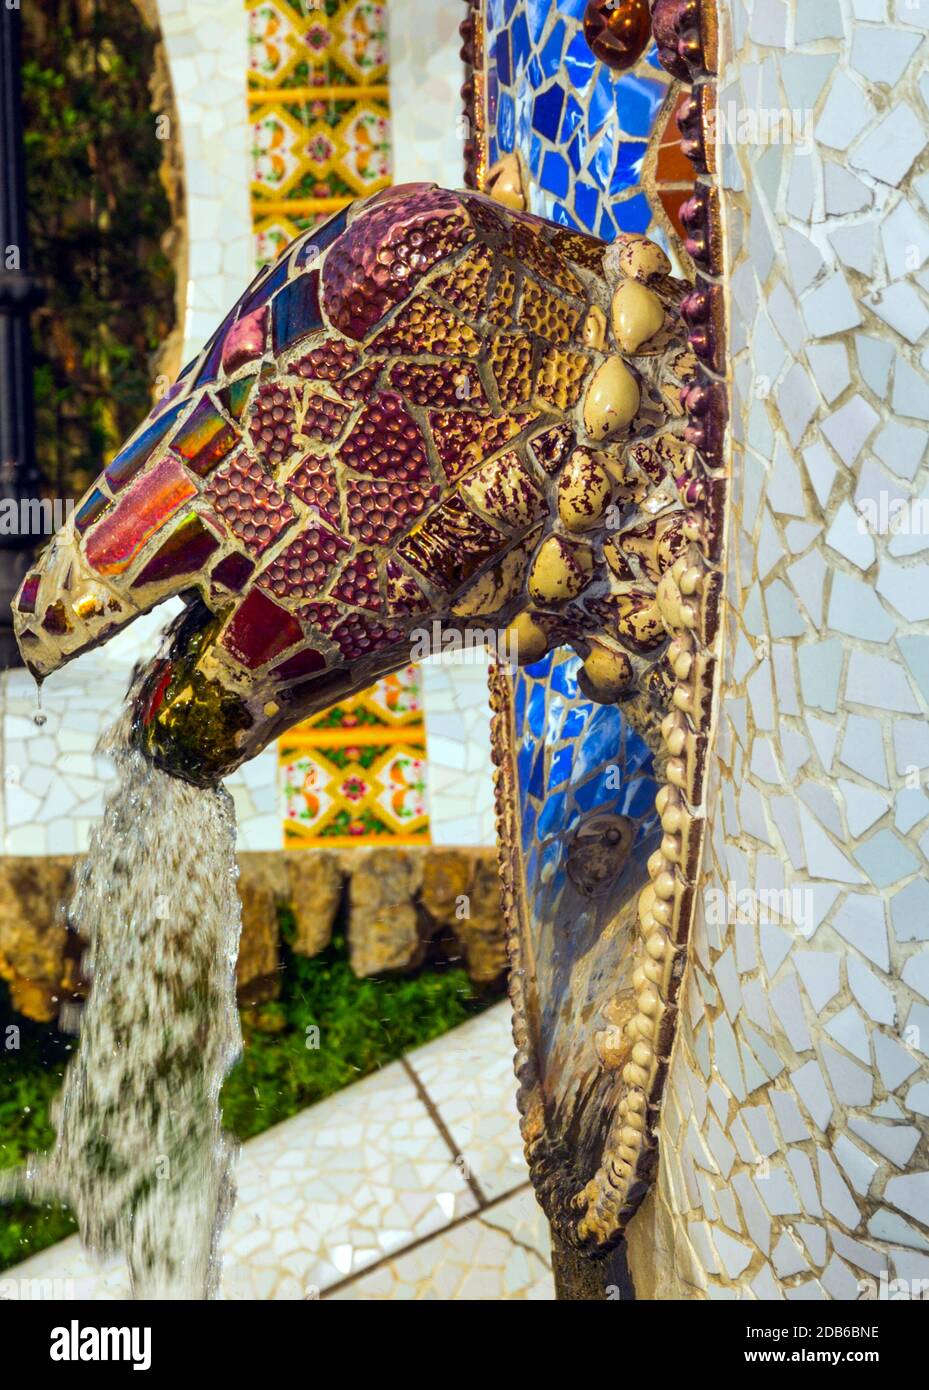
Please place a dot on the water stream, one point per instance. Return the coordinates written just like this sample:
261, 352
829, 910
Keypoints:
140, 1156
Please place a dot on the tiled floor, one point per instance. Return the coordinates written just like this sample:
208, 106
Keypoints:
409, 1185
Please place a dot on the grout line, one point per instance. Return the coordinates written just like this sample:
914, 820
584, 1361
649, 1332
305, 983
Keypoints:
473, 1184
424, 1240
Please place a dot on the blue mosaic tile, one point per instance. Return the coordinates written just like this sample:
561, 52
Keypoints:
575, 8
564, 676
573, 116
554, 175
561, 766
546, 111
537, 12
552, 817
502, 55
537, 711
638, 101
586, 200
634, 214
551, 53
506, 123
579, 62
521, 44
627, 170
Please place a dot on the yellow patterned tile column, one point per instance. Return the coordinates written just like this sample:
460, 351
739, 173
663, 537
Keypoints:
320, 120
320, 114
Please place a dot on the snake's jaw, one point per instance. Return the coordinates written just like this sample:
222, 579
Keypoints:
63, 607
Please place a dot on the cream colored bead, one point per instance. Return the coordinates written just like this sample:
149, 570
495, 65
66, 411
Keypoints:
504, 183
636, 314
608, 673
559, 571
642, 259
526, 640
612, 399
593, 334
583, 492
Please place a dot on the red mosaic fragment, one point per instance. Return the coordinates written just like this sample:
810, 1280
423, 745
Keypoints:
246, 339
56, 620
260, 630
358, 386
305, 567
205, 438
185, 551
385, 253
450, 545
379, 511
322, 616
323, 418
273, 422
358, 583
330, 362
245, 497
232, 571
152, 500
314, 482
450, 383
359, 636
303, 664
386, 443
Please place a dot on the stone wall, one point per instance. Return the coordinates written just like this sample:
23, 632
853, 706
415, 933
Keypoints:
399, 908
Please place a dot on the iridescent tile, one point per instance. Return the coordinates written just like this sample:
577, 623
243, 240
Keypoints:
90, 510
28, 594
246, 339
205, 438
128, 462
260, 630
151, 501
295, 311
185, 551
264, 288
235, 397
318, 238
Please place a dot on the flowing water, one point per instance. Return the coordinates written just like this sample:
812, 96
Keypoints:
140, 1156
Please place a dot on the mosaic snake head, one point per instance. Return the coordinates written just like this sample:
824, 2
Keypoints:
432, 410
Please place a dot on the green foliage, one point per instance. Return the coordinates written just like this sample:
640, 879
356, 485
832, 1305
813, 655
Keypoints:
98, 215
363, 1025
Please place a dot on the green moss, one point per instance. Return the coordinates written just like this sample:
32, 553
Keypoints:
363, 1025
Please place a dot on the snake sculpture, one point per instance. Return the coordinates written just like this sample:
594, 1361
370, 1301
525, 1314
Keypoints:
439, 412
